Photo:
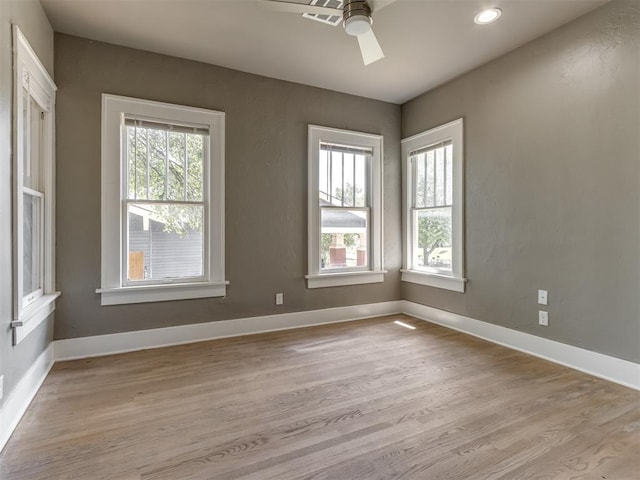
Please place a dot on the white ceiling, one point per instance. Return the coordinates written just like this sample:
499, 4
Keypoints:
426, 42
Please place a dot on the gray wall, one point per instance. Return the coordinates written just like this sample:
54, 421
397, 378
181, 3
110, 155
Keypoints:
29, 16
552, 183
266, 178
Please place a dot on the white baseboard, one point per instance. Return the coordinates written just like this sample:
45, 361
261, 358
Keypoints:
599, 365
609, 368
18, 401
84, 347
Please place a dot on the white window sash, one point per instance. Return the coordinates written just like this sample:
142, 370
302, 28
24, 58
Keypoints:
364, 268
126, 282
184, 127
29, 297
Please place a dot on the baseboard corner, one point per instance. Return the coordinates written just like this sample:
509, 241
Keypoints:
616, 370
23, 394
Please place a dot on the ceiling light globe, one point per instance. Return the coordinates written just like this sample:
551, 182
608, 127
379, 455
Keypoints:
357, 25
489, 15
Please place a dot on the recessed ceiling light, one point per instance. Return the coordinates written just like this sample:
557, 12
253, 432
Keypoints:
489, 15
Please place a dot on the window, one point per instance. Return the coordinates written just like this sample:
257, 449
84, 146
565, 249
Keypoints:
163, 202
433, 207
345, 208
34, 195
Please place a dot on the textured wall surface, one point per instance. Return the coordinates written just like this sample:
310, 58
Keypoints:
29, 16
266, 184
552, 166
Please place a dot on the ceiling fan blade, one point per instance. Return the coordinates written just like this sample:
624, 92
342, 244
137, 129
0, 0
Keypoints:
379, 4
369, 47
299, 8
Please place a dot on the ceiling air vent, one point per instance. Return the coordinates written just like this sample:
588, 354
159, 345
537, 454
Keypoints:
330, 19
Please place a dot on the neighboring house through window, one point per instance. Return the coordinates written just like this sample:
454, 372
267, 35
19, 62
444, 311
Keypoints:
345, 208
163, 202
433, 207
33, 190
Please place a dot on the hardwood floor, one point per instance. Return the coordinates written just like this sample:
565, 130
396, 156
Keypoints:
359, 400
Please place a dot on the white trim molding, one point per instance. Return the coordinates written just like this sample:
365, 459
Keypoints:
115, 288
35, 314
84, 347
413, 148
346, 278
434, 280
161, 293
599, 365
373, 272
20, 398
33, 176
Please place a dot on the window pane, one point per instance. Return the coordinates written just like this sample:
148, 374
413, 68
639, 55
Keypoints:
195, 174
430, 173
361, 181
348, 172
324, 177
432, 238
157, 167
164, 241
26, 160
137, 150
31, 143
440, 177
336, 178
132, 164
342, 178
177, 166
31, 244
344, 238
164, 165
449, 186
420, 181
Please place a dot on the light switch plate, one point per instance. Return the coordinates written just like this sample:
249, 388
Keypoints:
543, 297
543, 318
279, 298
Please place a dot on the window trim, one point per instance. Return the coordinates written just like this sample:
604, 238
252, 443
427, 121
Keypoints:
30, 72
375, 272
113, 290
456, 281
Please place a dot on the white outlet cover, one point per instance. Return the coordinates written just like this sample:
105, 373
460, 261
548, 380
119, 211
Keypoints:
543, 318
279, 298
543, 297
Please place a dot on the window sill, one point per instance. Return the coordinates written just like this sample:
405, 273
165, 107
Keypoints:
33, 315
343, 279
434, 280
161, 293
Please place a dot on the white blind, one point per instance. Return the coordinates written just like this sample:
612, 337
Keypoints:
331, 147
430, 148
171, 127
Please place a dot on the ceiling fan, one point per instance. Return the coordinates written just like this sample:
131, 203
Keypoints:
355, 16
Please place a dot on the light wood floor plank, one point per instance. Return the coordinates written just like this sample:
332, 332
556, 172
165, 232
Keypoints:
360, 400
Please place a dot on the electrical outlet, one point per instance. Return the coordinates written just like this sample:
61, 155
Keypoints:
543, 297
279, 298
1, 386
543, 318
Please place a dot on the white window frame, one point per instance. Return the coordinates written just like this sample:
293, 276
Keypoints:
455, 280
114, 289
375, 272
29, 73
